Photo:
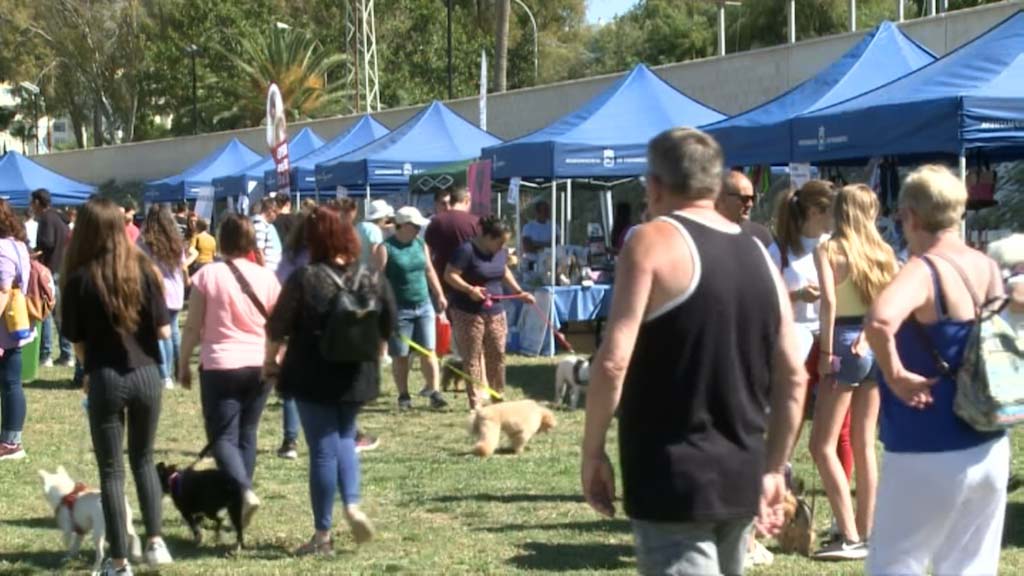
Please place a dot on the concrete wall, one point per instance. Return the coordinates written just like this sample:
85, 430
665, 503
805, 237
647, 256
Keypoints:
732, 84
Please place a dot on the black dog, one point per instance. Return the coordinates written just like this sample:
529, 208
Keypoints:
203, 493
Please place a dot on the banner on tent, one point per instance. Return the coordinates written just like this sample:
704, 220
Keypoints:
478, 176
204, 203
277, 139
799, 174
513, 190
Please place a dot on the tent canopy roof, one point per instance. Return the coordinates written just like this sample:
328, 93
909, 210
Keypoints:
970, 98
228, 159
20, 176
762, 134
434, 137
607, 136
303, 175
238, 183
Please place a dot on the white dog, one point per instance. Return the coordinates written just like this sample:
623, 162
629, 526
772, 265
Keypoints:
79, 510
571, 379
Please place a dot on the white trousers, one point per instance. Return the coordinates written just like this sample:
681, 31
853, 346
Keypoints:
941, 510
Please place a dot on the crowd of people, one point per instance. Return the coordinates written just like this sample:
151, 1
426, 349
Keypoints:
722, 336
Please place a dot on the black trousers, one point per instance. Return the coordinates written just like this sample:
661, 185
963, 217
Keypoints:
115, 400
233, 402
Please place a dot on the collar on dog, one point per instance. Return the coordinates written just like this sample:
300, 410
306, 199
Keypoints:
576, 368
69, 503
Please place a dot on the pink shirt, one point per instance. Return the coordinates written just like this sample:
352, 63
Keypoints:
234, 332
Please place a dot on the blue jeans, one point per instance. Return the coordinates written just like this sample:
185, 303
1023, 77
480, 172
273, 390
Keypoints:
169, 348
290, 415
417, 324
331, 436
233, 402
49, 327
680, 549
853, 369
12, 397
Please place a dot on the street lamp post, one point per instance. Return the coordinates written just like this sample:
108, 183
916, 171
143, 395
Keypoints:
536, 41
194, 51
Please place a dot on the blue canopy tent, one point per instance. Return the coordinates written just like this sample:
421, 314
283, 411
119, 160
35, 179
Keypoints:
971, 99
607, 137
226, 160
303, 174
762, 135
241, 182
19, 176
434, 137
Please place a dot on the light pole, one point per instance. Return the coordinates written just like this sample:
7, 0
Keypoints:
536, 41
34, 90
194, 51
721, 23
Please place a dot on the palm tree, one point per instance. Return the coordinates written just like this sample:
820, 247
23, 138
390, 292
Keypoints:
311, 79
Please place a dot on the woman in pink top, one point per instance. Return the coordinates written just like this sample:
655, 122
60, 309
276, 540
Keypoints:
228, 312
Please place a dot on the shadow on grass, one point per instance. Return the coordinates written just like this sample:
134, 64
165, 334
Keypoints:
600, 526
1013, 529
550, 557
185, 548
39, 384
47, 523
508, 498
34, 562
537, 381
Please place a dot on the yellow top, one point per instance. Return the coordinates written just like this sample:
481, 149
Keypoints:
848, 300
206, 245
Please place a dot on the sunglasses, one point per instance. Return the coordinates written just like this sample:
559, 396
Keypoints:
743, 199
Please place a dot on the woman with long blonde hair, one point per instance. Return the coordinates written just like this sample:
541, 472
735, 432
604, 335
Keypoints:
854, 266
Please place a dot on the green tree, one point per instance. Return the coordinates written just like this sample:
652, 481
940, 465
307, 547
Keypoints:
307, 74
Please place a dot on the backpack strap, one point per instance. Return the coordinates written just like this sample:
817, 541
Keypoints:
978, 302
333, 276
247, 289
941, 310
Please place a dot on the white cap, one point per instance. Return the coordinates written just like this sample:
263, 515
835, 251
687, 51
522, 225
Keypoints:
378, 210
410, 215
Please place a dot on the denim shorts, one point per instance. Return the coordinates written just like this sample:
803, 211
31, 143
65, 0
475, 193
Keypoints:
853, 369
416, 324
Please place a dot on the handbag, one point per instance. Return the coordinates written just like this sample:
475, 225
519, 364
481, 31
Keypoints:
16, 313
990, 380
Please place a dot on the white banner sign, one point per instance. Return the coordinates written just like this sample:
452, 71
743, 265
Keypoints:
513, 190
799, 174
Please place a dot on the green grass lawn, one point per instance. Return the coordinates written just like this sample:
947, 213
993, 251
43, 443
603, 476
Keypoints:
437, 509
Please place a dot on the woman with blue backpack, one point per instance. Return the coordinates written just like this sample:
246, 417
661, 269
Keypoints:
333, 314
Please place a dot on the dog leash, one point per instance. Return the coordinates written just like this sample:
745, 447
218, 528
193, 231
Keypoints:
544, 316
428, 353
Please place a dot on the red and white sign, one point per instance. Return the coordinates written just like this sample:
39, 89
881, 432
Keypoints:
277, 140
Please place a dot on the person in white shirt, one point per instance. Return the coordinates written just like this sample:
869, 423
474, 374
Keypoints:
537, 232
31, 229
1009, 254
267, 240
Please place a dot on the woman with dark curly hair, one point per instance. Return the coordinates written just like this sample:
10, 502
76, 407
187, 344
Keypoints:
162, 242
14, 271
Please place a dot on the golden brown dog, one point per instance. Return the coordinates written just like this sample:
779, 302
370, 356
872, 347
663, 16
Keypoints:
798, 532
519, 420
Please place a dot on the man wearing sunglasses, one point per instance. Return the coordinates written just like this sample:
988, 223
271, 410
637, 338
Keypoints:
735, 203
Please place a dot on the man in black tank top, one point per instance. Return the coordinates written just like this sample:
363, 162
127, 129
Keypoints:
700, 345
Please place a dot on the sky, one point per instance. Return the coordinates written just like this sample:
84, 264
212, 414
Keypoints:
607, 9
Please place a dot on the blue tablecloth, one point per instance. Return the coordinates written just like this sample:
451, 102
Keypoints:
528, 333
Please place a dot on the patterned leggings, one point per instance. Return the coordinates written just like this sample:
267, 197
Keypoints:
486, 334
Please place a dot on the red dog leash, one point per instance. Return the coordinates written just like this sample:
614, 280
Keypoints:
491, 298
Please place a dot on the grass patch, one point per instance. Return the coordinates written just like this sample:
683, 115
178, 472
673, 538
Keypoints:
438, 509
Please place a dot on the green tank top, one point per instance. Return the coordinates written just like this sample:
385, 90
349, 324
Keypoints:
407, 272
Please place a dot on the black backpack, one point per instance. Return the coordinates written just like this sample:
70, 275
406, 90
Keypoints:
351, 328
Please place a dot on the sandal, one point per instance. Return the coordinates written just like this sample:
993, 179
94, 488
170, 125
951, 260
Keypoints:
314, 548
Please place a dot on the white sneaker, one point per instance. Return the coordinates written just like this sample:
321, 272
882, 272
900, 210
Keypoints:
759, 556
169, 383
157, 553
250, 504
107, 569
48, 363
362, 528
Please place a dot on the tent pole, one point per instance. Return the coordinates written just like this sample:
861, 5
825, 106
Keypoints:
554, 268
962, 165
499, 205
568, 214
519, 227
367, 194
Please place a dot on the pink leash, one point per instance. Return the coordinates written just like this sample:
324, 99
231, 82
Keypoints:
489, 302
